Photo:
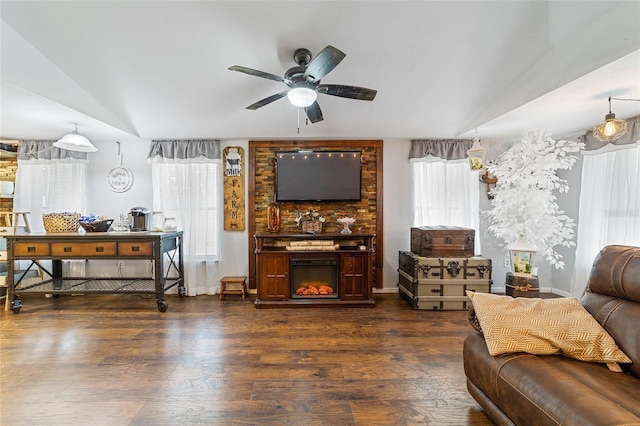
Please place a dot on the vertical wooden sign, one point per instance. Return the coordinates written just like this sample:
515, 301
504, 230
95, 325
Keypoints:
233, 183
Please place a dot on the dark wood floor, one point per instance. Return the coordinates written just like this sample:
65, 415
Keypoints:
116, 360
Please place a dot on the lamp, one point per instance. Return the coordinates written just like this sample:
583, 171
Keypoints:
611, 128
476, 156
75, 142
521, 253
302, 96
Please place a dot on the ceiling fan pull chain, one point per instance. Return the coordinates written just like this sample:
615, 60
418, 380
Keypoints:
298, 120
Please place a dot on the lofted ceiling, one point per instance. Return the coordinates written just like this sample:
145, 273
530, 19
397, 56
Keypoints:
159, 69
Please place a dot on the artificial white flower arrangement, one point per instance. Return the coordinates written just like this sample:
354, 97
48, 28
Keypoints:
523, 201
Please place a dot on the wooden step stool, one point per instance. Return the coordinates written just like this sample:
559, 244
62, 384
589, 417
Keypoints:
236, 281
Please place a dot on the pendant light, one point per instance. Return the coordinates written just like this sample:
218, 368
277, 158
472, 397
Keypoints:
611, 128
75, 142
477, 155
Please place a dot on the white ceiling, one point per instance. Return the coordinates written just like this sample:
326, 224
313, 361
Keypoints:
159, 69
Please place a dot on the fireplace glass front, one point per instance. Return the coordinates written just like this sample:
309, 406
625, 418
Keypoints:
314, 278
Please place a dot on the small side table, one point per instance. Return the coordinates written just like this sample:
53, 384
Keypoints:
240, 281
522, 286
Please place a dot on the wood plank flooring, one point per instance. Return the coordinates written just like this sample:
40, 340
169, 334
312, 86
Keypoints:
117, 360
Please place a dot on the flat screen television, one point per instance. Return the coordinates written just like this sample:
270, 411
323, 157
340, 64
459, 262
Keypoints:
318, 176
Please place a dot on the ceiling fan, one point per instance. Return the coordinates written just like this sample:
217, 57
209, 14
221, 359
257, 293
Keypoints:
304, 82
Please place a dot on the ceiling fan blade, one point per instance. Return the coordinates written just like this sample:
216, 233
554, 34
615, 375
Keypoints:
314, 112
351, 92
268, 100
257, 73
323, 63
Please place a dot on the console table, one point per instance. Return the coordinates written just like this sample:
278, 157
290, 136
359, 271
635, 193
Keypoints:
276, 259
164, 249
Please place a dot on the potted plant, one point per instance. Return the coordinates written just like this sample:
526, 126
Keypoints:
524, 198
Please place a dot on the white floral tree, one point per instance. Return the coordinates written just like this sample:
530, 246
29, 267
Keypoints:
524, 200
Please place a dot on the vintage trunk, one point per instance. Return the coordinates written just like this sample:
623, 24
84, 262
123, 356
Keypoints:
440, 284
443, 241
420, 267
522, 286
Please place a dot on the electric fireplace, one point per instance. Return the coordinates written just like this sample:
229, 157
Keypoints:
314, 278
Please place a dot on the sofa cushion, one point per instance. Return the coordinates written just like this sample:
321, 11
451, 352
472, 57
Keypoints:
560, 326
549, 390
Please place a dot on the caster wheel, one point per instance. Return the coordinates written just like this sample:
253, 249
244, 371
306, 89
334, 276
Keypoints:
16, 305
182, 291
163, 305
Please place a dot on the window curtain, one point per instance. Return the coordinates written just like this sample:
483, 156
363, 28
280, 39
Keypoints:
609, 199
49, 180
187, 185
445, 190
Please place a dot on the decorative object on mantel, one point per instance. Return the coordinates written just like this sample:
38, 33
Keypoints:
233, 184
346, 222
120, 179
524, 203
310, 222
273, 216
611, 128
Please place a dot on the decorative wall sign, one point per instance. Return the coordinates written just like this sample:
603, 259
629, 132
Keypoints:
120, 178
234, 173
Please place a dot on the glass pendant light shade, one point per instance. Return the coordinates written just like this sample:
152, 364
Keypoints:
302, 96
75, 142
611, 129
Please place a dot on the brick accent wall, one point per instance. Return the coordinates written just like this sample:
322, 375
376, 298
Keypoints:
8, 169
364, 211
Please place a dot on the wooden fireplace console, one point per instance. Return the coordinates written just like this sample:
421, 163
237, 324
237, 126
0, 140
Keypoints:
354, 259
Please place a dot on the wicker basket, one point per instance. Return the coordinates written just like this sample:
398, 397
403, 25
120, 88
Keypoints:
311, 227
61, 222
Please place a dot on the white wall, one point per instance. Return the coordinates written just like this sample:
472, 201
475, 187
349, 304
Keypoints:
397, 208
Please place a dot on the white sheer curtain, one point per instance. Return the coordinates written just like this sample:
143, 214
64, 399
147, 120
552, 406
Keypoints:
189, 188
49, 180
609, 206
446, 193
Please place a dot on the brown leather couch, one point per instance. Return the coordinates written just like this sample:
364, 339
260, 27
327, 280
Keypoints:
524, 389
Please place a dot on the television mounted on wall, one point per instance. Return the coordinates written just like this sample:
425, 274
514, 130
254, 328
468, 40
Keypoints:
318, 176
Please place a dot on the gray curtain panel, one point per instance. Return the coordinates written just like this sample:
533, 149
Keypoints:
44, 150
185, 149
447, 149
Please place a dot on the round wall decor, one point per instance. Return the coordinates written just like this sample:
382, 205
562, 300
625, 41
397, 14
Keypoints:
120, 179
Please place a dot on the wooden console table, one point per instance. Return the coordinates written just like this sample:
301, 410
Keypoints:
353, 258
154, 246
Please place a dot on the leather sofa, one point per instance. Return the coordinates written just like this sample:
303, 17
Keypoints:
525, 389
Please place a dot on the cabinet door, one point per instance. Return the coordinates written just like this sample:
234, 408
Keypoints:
354, 276
274, 276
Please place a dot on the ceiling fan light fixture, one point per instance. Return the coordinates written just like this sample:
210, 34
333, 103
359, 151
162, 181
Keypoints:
75, 142
302, 96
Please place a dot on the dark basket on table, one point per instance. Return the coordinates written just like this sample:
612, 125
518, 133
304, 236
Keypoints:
97, 226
